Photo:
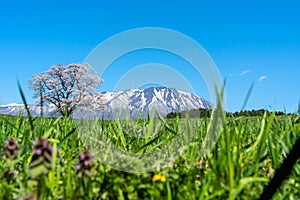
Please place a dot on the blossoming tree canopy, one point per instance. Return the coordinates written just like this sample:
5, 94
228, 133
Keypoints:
66, 86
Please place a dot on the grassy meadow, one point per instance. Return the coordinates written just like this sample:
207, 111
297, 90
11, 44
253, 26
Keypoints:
47, 159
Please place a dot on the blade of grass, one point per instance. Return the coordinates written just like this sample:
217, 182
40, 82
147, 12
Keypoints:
283, 171
66, 137
248, 96
121, 134
26, 107
245, 181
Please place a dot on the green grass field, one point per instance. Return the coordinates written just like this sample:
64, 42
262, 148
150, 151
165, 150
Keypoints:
239, 166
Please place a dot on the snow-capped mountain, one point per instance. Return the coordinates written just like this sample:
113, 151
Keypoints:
132, 103
19, 109
161, 99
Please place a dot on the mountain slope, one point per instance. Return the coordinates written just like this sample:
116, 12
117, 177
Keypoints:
163, 100
19, 109
131, 102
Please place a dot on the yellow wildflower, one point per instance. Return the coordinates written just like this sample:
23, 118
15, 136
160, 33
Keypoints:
158, 177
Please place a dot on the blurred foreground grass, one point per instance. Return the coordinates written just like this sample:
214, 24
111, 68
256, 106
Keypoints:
238, 167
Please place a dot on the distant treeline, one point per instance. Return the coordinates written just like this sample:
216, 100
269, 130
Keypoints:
202, 112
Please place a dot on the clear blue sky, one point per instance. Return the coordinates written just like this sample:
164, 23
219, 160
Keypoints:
247, 40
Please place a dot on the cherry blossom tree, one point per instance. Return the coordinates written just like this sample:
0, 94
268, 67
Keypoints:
68, 87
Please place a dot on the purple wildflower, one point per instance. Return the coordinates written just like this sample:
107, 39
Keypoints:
42, 153
86, 163
11, 148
